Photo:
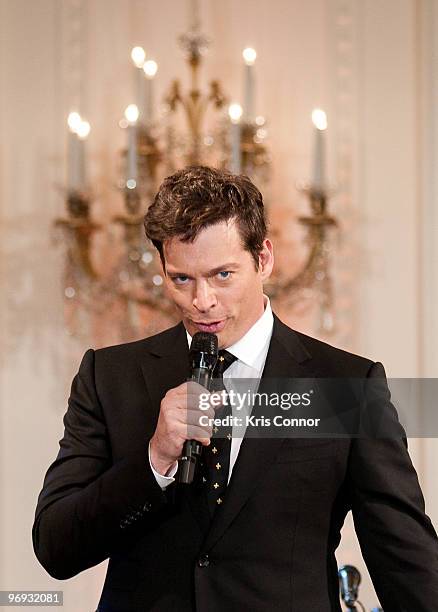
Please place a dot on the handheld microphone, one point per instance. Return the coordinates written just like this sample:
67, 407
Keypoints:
349, 578
203, 356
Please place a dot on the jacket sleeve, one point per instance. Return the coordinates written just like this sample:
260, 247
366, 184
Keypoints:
397, 539
90, 506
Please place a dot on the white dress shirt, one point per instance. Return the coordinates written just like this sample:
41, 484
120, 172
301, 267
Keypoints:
251, 351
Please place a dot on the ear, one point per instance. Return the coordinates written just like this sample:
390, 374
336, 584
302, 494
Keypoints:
266, 259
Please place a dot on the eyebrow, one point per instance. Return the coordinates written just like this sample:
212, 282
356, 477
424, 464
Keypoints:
212, 272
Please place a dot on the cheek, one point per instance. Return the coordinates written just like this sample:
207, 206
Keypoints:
244, 289
235, 297
245, 297
178, 297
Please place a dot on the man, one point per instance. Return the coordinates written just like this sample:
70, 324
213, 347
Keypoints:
258, 529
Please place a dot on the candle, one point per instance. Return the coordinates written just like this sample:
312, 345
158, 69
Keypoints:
319, 119
74, 152
150, 70
82, 135
131, 115
73, 162
235, 114
138, 56
249, 56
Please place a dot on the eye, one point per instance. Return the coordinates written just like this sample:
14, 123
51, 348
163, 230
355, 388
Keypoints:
180, 280
224, 275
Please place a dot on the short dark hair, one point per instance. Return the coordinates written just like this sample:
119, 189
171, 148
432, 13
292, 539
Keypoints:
198, 196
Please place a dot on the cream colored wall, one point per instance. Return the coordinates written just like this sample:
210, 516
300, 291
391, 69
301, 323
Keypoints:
363, 61
428, 231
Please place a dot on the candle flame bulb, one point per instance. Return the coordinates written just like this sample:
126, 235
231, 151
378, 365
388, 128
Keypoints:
74, 121
83, 130
132, 113
319, 119
249, 56
138, 56
235, 112
150, 68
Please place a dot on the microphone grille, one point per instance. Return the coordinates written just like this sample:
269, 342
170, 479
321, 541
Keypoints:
204, 342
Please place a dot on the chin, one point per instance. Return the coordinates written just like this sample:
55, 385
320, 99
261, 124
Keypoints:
225, 340
221, 341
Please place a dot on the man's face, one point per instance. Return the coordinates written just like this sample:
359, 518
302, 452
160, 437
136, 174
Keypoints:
214, 284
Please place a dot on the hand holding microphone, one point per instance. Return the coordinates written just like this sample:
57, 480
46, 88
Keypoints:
178, 434
203, 357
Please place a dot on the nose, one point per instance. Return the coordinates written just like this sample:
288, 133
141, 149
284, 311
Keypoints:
205, 297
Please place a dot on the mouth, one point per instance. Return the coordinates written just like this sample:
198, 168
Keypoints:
212, 327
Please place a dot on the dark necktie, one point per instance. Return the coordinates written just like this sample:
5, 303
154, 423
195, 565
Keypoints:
217, 455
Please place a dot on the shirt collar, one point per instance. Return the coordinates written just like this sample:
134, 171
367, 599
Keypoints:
253, 345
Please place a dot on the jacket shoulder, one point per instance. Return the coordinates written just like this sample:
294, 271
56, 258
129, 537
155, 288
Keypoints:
334, 359
157, 343
326, 357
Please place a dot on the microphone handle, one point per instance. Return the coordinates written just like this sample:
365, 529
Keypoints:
192, 448
201, 376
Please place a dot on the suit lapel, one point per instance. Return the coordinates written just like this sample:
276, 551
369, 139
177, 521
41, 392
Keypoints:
285, 359
166, 364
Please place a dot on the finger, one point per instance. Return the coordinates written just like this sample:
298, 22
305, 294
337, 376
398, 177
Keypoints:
195, 387
178, 433
206, 401
194, 417
191, 387
200, 434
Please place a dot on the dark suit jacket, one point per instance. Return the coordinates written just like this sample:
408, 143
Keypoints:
271, 545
